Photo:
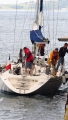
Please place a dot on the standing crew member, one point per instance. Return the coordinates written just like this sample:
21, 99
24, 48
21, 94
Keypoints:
29, 60
42, 49
62, 53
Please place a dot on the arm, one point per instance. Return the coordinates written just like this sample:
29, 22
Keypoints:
67, 51
57, 56
60, 51
51, 55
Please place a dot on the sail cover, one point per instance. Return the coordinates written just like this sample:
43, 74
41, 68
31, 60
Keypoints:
36, 36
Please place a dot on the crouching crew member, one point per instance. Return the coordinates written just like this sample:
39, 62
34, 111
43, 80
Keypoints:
54, 56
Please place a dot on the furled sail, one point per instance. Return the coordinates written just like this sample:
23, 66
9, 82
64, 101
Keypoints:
36, 34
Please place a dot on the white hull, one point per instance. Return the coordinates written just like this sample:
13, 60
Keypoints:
39, 84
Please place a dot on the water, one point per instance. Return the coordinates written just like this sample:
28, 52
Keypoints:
13, 36
15, 31
32, 108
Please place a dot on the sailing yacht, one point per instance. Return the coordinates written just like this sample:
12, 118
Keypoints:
42, 81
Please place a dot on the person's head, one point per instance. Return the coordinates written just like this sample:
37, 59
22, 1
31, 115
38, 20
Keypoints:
24, 48
20, 51
65, 45
55, 51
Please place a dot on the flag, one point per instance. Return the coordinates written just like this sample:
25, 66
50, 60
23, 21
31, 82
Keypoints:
8, 66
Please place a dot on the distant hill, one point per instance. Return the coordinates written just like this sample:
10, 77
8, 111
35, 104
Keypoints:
31, 5
13, 6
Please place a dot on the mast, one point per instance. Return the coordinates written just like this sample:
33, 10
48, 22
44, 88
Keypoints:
35, 27
41, 12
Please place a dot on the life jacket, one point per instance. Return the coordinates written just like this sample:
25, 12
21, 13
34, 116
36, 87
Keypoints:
54, 56
29, 56
39, 45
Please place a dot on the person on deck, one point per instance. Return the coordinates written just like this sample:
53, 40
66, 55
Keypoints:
39, 45
54, 56
20, 56
66, 110
42, 49
29, 60
62, 53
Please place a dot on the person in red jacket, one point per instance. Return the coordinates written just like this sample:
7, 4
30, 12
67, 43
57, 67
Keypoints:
29, 60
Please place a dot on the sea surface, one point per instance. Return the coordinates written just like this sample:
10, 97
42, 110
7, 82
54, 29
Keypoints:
15, 29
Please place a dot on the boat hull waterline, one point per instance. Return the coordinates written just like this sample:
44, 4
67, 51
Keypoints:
29, 85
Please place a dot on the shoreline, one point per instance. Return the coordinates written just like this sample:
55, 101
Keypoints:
25, 10
18, 10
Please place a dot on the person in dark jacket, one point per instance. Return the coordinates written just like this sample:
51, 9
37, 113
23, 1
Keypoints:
62, 53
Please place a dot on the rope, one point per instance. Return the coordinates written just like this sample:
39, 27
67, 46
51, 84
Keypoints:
24, 22
53, 24
25, 18
47, 18
57, 21
15, 27
48, 24
31, 16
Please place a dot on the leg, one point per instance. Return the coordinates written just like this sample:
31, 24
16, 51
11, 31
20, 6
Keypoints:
26, 71
31, 72
54, 70
31, 67
62, 63
26, 66
62, 60
58, 64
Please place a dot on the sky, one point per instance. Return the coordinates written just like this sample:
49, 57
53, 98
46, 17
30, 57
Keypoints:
14, 1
